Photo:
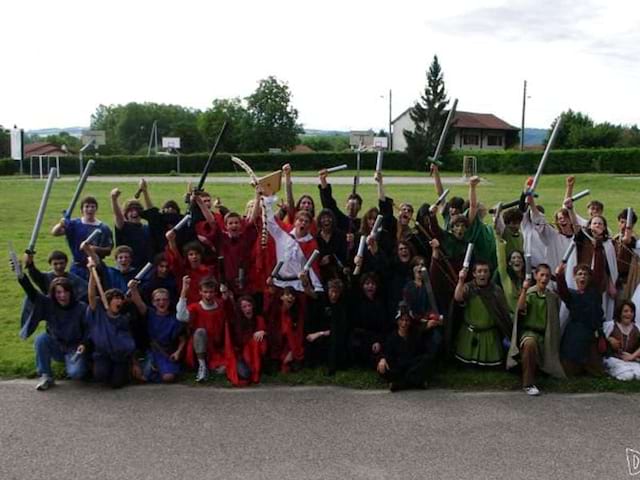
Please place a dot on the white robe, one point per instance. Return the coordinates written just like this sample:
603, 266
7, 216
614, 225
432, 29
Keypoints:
617, 367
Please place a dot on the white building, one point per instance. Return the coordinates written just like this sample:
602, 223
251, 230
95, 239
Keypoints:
473, 131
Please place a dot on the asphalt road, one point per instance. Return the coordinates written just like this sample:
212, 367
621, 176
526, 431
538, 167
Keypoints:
191, 432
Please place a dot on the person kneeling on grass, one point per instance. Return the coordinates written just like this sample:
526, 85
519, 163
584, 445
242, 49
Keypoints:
404, 362
65, 329
535, 341
108, 334
166, 339
624, 338
207, 347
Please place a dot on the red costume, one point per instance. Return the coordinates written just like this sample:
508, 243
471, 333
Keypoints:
180, 267
249, 350
219, 349
286, 331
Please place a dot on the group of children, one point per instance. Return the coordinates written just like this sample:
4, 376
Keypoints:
284, 287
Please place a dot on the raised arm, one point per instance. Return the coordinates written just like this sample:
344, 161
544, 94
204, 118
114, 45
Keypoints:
136, 298
59, 228
92, 289
288, 188
144, 188
437, 181
569, 184
459, 292
379, 180
117, 211
473, 198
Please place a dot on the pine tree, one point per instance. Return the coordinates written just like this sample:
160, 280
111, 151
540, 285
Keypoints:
429, 116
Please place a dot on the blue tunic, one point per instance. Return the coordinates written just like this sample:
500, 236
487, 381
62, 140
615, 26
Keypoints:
77, 232
110, 336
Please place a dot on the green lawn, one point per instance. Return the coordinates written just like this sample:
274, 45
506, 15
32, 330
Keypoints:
21, 198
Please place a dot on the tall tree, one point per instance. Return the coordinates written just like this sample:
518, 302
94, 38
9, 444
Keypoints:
273, 120
5, 142
211, 120
578, 130
429, 116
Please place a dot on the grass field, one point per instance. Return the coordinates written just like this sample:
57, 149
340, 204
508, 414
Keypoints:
21, 197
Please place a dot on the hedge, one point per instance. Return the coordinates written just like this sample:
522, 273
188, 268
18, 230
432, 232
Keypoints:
615, 160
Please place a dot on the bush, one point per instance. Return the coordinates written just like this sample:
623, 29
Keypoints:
612, 160
8, 166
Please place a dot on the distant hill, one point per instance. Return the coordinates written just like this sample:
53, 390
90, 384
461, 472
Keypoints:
535, 136
44, 132
325, 133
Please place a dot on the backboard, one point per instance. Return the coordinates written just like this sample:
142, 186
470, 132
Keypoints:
171, 142
97, 136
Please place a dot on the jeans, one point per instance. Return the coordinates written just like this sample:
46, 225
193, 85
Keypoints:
48, 349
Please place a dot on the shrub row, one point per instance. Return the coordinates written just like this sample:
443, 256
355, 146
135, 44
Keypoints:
614, 160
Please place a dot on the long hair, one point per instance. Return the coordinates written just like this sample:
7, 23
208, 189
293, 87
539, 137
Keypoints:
66, 286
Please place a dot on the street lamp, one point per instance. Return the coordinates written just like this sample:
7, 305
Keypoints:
524, 105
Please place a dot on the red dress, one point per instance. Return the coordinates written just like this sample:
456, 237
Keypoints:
214, 321
286, 332
251, 352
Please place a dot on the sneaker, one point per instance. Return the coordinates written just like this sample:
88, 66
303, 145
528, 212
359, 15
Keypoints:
532, 390
221, 370
202, 374
45, 382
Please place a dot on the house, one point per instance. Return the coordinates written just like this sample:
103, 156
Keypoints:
473, 131
44, 149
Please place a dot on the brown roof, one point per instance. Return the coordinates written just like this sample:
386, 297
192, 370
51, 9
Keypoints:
485, 121
43, 148
302, 149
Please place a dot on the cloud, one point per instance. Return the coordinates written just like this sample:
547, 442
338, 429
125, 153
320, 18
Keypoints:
542, 20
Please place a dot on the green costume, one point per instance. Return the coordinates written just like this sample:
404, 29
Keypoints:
486, 322
542, 322
511, 290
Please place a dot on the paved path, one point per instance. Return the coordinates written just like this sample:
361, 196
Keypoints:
364, 180
184, 432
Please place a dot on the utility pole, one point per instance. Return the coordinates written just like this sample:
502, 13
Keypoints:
524, 106
390, 118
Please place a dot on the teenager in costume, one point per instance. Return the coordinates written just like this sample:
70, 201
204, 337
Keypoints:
624, 340
160, 220
293, 248
625, 244
403, 362
486, 318
305, 203
327, 329
348, 222
579, 345
58, 261
190, 265
108, 335
207, 348
249, 341
535, 340
76, 231
64, 316
332, 245
166, 336
160, 277
285, 313
131, 231
370, 321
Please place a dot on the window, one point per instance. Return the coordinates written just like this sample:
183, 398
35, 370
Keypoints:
471, 139
494, 140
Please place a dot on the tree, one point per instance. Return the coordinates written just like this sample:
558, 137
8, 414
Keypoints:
273, 121
210, 122
65, 138
5, 142
429, 116
579, 131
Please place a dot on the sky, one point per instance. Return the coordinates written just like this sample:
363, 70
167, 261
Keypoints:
340, 58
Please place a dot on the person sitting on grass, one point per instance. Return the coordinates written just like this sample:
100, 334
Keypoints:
624, 339
64, 315
108, 334
403, 362
535, 341
249, 341
327, 328
76, 231
207, 347
166, 336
